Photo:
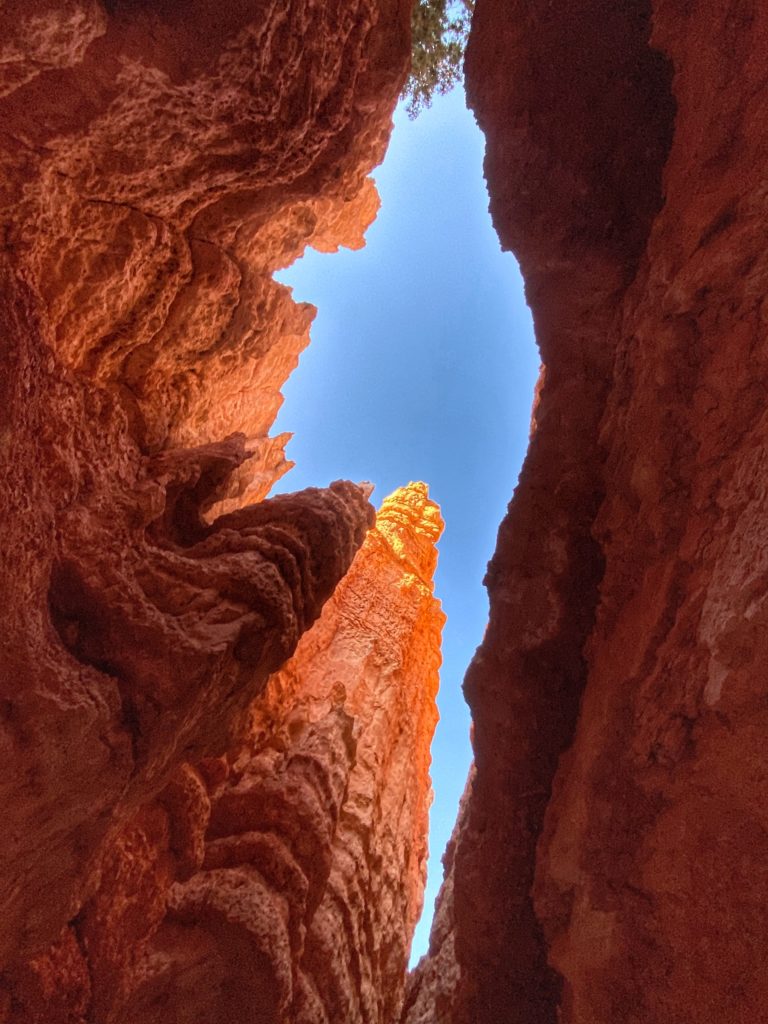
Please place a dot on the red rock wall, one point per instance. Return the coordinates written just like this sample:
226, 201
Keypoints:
611, 862
174, 851
158, 162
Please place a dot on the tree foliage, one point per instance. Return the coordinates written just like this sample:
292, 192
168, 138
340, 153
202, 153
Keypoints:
439, 37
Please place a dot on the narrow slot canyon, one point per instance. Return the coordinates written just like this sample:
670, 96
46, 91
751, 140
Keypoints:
218, 678
422, 357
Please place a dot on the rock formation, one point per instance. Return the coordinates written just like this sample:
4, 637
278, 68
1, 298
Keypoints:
198, 828
283, 880
311, 875
610, 861
158, 163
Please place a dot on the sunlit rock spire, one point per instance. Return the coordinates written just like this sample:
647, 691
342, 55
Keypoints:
314, 860
411, 524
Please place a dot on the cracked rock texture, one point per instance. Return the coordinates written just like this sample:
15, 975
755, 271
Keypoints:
157, 163
610, 864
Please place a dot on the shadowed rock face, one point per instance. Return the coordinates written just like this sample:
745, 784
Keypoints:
158, 162
610, 862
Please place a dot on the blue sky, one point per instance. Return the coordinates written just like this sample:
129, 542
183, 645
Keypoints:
421, 367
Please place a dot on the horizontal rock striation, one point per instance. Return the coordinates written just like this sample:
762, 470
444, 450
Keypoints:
157, 163
610, 862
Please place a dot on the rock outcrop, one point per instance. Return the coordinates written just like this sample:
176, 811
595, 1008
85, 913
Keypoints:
282, 881
158, 162
313, 864
611, 861
215, 810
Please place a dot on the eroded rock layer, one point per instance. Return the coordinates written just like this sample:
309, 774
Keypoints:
314, 856
610, 864
282, 881
157, 163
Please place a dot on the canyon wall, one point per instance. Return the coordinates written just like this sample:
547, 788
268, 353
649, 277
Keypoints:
158, 162
215, 809
609, 865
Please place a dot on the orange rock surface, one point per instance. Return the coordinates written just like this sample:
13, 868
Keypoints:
610, 865
281, 882
312, 873
157, 163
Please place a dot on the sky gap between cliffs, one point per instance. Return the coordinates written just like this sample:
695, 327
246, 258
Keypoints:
422, 367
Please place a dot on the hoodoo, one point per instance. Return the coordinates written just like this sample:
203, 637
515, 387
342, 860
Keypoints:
215, 706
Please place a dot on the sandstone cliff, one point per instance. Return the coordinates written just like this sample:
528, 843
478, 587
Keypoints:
157, 163
611, 861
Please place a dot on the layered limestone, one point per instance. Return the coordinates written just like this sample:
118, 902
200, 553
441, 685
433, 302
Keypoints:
157, 163
610, 864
